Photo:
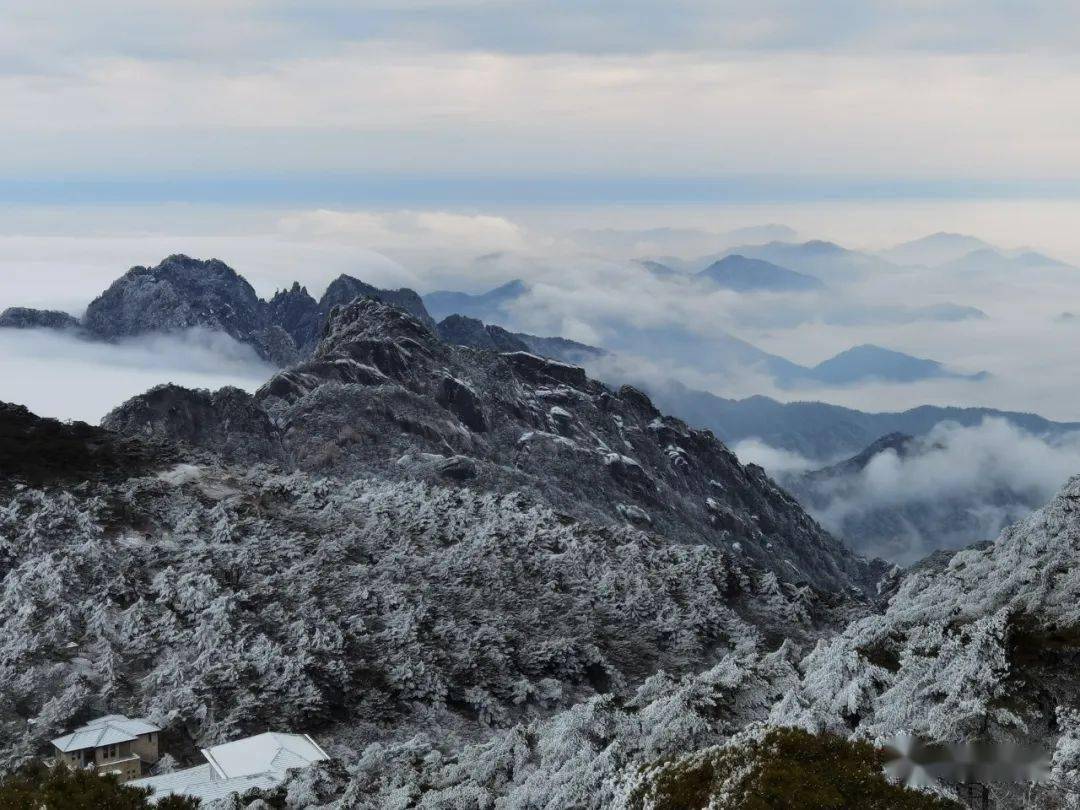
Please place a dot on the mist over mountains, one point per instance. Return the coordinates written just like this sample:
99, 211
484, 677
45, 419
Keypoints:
643, 571
182, 303
384, 453
471, 405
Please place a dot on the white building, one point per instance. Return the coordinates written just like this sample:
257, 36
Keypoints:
261, 761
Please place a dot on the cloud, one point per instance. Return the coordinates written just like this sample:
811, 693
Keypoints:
776, 460
68, 270
240, 30
59, 375
428, 233
391, 109
953, 487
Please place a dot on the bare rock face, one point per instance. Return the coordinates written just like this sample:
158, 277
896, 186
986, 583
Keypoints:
43, 452
26, 318
458, 468
227, 421
345, 289
276, 345
182, 293
381, 387
179, 293
463, 331
295, 311
460, 399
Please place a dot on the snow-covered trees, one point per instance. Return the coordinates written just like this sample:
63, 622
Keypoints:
222, 602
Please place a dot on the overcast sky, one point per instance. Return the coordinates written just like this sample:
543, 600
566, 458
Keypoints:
399, 140
440, 102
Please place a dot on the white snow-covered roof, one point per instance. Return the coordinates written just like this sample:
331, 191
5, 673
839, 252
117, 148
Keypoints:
236, 767
272, 752
108, 730
200, 782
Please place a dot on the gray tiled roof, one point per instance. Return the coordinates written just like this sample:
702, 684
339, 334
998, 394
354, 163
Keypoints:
109, 730
235, 767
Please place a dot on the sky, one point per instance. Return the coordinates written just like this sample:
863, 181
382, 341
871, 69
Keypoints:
421, 103
399, 141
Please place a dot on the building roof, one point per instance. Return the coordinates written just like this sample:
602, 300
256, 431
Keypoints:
108, 730
272, 752
236, 767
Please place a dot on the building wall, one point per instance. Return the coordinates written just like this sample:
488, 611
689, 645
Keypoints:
120, 758
146, 746
125, 769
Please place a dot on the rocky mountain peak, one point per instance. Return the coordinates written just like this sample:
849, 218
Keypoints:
384, 393
345, 288
465, 331
366, 320
295, 311
26, 318
179, 293
228, 420
182, 292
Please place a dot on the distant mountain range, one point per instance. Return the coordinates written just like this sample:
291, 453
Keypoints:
488, 306
743, 274
662, 241
182, 292
817, 430
903, 522
954, 252
826, 261
868, 362
722, 353
935, 249
989, 260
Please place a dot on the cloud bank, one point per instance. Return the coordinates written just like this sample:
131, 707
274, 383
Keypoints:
62, 376
953, 487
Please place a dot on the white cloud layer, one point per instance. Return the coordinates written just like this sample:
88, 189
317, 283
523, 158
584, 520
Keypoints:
977, 480
58, 375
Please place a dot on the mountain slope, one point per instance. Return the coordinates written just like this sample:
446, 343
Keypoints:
735, 272
818, 430
984, 649
488, 306
935, 249
869, 362
182, 293
221, 600
384, 394
395, 536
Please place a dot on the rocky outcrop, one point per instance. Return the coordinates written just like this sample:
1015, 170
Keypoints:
463, 331
383, 394
228, 422
179, 293
344, 289
295, 311
459, 398
44, 452
25, 318
183, 293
